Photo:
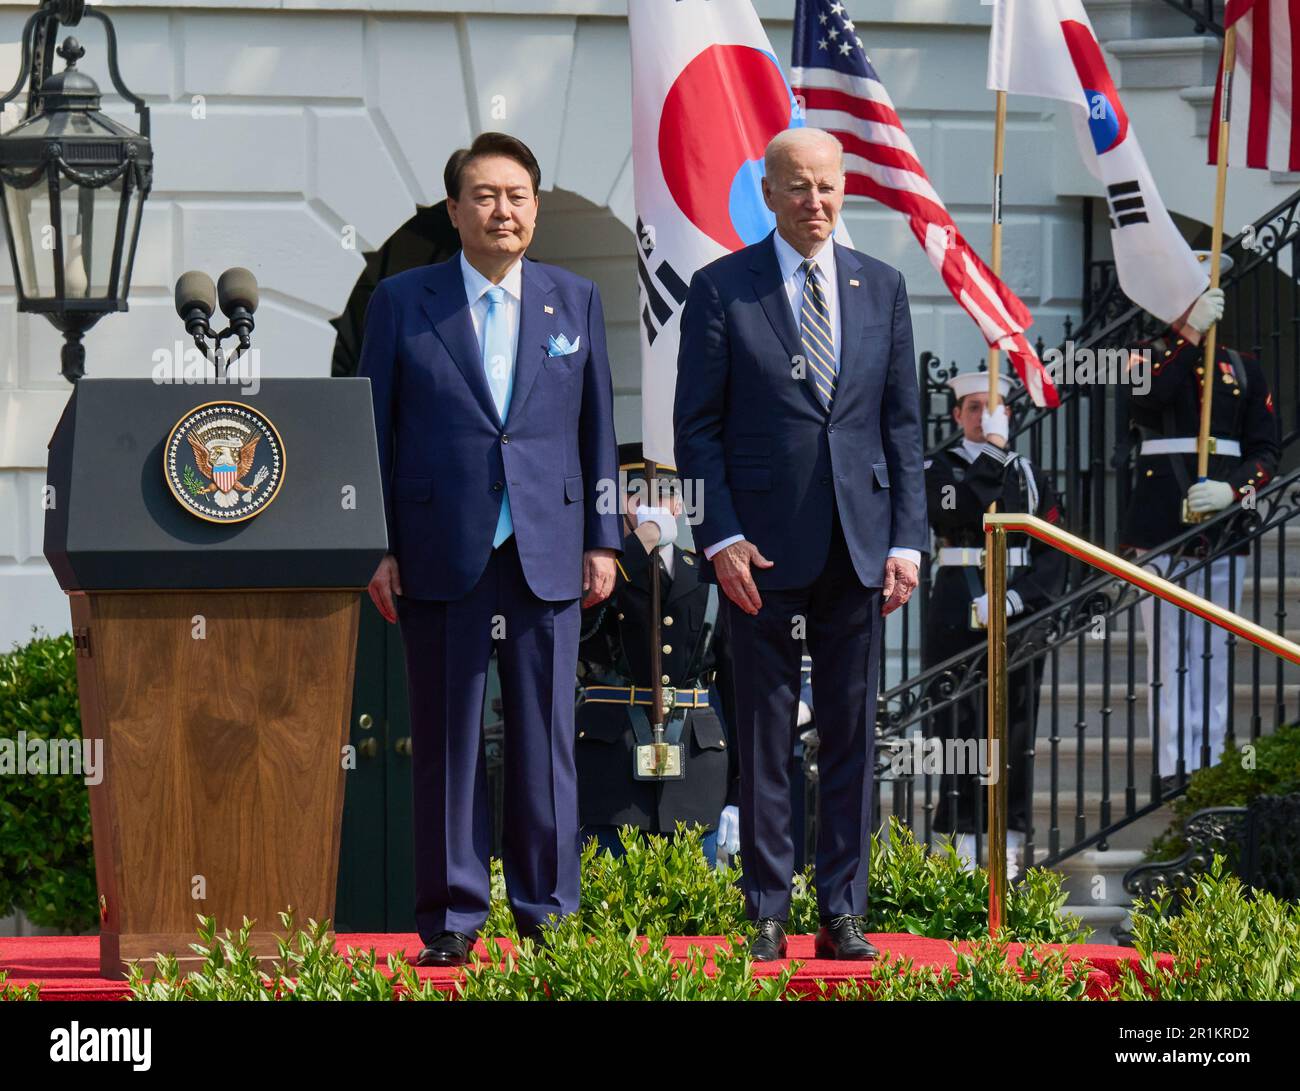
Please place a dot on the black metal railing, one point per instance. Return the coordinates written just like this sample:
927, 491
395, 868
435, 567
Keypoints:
1112, 785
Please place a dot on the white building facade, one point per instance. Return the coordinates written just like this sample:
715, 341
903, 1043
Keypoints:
294, 137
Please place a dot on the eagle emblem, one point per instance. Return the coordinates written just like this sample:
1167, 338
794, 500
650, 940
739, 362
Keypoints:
224, 462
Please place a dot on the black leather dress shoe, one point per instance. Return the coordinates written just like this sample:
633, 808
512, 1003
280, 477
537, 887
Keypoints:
445, 949
841, 938
769, 940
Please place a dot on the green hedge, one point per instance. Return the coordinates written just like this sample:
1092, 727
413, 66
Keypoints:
1229, 942
47, 867
1271, 768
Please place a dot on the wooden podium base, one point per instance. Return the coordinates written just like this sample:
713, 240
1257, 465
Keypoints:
224, 717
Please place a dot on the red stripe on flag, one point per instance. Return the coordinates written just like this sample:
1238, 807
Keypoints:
1294, 143
1261, 89
819, 98
1236, 9
883, 154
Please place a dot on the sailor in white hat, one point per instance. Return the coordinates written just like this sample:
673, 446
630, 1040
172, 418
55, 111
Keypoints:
961, 482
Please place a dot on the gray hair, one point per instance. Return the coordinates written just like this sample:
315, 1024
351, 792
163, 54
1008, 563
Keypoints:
803, 137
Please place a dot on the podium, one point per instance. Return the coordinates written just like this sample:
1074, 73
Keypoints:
215, 625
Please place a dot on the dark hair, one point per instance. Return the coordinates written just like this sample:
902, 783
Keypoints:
490, 144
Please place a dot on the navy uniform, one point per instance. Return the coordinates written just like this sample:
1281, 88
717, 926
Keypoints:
613, 657
1245, 451
961, 482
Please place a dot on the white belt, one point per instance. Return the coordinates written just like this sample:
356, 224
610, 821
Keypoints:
956, 556
1186, 445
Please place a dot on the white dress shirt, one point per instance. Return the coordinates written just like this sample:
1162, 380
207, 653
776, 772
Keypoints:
476, 286
792, 279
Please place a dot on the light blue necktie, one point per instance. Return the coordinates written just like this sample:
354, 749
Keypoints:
498, 364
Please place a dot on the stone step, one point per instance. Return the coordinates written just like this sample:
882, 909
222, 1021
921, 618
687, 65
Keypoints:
1177, 63
1113, 19
1095, 878
1201, 100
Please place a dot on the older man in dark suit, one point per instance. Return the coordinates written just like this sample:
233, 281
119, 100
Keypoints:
797, 410
493, 408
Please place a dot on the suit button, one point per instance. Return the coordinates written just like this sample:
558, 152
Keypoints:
496, 486
620, 617
668, 649
665, 680
582, 734
505, 437
668, 621
830, 428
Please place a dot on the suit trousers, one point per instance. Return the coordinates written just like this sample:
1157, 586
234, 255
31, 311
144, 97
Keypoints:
840, 619
448, 646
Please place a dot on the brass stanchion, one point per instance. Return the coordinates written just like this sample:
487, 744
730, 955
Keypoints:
995, 561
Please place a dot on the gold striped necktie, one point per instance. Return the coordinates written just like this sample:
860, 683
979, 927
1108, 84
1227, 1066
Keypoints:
815, 333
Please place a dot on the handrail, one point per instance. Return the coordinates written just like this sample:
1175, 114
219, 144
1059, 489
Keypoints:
1083, 550
995, 543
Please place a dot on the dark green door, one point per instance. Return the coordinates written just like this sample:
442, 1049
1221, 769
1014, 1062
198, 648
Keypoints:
376, 889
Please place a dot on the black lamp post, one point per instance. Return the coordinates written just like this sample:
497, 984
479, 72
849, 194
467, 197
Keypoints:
74, 183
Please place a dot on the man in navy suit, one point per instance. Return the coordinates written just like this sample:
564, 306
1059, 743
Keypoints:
494, 414
797, 411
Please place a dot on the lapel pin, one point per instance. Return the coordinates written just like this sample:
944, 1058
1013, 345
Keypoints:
853, 284
548, 309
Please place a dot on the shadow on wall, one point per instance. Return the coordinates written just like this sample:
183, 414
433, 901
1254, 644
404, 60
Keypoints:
425, 238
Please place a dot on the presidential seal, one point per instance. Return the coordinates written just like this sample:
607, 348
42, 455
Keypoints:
224, 462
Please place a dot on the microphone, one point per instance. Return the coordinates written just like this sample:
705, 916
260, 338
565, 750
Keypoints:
237, 293
196, 299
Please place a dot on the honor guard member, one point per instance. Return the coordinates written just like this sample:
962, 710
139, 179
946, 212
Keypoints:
1166, 415
617, 781
961, 482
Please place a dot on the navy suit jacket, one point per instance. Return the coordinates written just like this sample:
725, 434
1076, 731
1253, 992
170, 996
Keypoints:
771, 463
446, 456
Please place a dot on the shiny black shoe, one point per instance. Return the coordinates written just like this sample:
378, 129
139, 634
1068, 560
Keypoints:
841, 938
769, 940
445, 949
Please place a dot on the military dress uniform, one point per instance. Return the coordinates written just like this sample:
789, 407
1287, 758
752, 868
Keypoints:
612, 717
961, 483
1244, 454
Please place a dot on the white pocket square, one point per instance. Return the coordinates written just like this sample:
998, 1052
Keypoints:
560, 346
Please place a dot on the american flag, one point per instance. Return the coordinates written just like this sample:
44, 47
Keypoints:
1262, 127
833, 78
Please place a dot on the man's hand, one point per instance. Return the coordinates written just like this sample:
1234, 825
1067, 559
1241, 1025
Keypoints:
731, 565
996, 426
597, 576
729, 831
1207, 496
1206, 311
901, 578
384, 584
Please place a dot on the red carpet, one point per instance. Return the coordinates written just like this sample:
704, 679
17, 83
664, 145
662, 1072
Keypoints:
66, 967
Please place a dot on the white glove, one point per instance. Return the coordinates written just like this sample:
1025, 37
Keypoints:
1207, 310
664, 519
982, 607
1210, 496
996, 423
729, 831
